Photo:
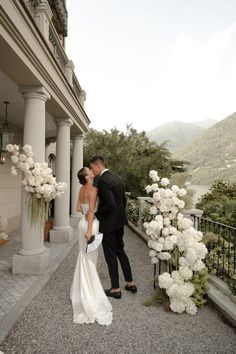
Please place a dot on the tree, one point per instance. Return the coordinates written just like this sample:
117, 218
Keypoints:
219, 204
131, 155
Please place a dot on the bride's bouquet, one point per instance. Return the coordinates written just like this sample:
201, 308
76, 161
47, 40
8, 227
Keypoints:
38, 181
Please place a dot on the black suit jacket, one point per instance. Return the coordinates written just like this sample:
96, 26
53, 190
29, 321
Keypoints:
112, 202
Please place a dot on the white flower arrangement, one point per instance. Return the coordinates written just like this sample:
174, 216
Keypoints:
37, 180
167, 241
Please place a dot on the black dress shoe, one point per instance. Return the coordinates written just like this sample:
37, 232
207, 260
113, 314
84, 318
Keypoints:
114, 294
132, 288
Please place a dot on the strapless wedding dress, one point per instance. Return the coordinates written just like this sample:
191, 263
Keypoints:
89, 300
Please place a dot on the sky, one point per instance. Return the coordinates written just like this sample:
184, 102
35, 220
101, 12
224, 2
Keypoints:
149, 62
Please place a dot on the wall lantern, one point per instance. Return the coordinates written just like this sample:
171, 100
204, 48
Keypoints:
6, 137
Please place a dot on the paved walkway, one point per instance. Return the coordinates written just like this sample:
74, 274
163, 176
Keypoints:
17, 291
46, 326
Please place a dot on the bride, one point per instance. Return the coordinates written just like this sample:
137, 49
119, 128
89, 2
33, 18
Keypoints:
88, 298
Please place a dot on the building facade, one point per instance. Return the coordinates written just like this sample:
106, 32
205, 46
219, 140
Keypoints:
45, 110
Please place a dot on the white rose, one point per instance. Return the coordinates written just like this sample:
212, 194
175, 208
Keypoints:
16, 147
9, 147
13, 171
14, 159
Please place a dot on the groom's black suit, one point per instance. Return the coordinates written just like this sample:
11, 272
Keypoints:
112, 218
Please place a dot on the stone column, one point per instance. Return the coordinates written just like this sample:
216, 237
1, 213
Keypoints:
69, 70
43, 16
62, 231
77, 164
82, 98
32, 257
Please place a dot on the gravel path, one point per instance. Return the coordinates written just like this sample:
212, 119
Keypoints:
46, 326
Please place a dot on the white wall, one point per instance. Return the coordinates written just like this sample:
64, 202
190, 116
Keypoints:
10, 190
10, 196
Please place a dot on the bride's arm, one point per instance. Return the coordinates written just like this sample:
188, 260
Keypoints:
90, 214
78, 206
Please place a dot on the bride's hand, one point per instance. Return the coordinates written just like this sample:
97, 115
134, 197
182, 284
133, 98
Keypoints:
87, 235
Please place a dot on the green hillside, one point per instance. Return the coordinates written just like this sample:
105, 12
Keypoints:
213, 154
176, 134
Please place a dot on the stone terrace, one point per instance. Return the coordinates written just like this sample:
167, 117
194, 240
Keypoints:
46, 325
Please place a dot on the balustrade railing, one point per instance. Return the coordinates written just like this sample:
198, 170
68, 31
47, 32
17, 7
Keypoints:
220, 239
221, 244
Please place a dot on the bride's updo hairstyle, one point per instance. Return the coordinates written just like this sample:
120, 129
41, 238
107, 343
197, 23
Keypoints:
82, 176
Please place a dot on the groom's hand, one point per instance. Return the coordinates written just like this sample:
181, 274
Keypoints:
86, 216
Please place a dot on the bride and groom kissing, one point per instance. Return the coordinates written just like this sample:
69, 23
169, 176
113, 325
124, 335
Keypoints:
102, 201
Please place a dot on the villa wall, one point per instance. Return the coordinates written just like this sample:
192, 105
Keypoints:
10, 192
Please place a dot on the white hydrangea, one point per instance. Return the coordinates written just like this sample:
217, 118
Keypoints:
165, 280
165, 182
153, 210
148, 189
165, 239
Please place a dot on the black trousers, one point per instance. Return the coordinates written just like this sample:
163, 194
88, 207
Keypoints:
113, 247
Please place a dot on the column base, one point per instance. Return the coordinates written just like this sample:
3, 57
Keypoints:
31, 264
61, 235
74, 220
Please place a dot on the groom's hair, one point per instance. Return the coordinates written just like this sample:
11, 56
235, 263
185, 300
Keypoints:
97, 159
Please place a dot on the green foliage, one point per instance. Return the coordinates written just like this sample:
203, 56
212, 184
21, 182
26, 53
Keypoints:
131, 155
38, 210
159, 298
132, 211
219, 204
200, 282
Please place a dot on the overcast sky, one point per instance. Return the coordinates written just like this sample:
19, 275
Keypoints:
148, 62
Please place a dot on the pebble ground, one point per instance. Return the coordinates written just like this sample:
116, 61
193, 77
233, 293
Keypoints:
46, 326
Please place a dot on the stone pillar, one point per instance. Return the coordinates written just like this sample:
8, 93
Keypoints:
62, 231
32, 257
82, 98
69, 70
77, 164
43, 16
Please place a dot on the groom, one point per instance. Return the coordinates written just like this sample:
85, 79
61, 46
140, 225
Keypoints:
112, 218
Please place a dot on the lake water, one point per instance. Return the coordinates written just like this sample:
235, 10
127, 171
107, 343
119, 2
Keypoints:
199, 191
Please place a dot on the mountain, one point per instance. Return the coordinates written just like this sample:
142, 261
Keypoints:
177, 134
213, 154
205, 123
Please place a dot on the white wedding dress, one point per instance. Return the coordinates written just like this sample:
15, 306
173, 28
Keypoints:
89, 300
